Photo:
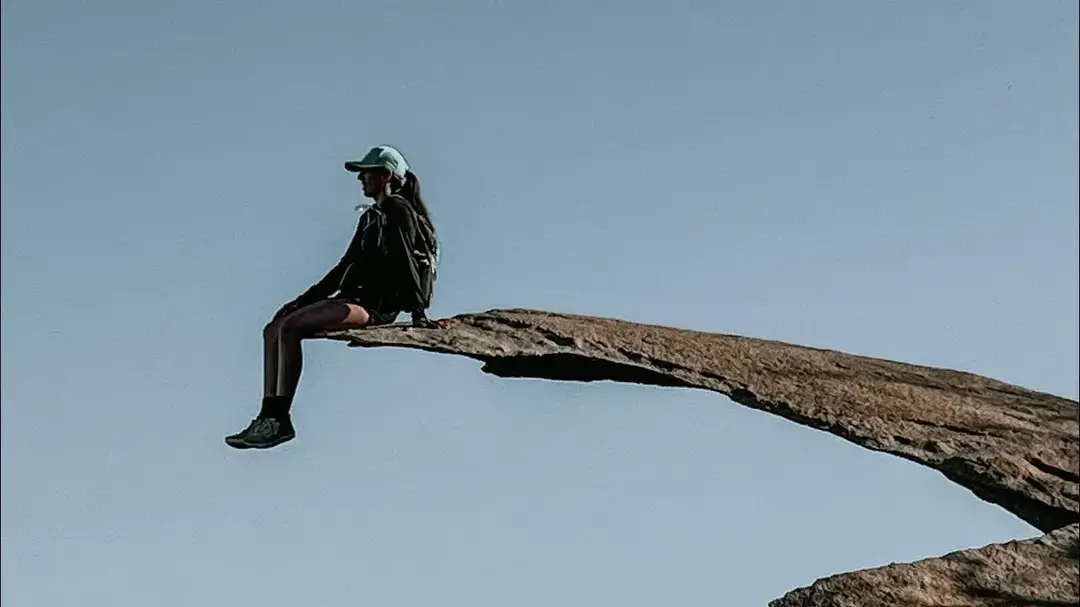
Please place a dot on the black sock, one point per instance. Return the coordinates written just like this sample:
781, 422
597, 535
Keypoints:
275, 407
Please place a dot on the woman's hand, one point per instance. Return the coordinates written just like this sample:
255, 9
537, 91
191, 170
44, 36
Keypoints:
420, 320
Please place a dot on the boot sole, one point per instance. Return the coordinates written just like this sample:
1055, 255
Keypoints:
237, 443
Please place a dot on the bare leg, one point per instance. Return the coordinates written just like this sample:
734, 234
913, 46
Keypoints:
271, 335
283, 363
272, 407
271, 344
318, 317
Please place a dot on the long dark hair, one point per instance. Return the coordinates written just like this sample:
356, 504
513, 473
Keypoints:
410, 190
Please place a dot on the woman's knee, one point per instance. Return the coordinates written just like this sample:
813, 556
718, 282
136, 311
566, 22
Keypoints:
272, 330
302, 323
294, 326
292, 323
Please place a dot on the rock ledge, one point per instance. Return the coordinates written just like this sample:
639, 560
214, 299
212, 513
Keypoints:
1010, 446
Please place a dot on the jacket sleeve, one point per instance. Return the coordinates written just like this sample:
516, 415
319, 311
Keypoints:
328, 284
401, 234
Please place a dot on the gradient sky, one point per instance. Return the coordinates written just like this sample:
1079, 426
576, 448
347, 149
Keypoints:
896, 179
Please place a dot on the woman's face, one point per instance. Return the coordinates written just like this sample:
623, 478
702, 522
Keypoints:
373, 182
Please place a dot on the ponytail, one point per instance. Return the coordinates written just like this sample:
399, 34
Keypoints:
410, 190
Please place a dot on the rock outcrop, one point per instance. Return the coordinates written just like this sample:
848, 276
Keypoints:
1043, 571
1010, 446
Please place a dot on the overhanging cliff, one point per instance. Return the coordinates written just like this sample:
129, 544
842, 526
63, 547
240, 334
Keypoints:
1013, 447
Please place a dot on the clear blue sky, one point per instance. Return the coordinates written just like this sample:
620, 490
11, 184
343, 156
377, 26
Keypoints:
897, 179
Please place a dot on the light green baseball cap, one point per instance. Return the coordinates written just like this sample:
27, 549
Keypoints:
381, 157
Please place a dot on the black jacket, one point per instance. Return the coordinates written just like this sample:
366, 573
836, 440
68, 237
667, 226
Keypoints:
378, 266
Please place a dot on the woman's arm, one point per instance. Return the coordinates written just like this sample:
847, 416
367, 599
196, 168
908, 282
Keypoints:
328, 284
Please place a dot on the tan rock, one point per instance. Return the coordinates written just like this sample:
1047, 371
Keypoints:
1043, 571
1011, 446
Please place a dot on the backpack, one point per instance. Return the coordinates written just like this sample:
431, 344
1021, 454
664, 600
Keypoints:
426, 253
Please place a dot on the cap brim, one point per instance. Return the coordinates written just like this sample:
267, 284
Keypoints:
356, 167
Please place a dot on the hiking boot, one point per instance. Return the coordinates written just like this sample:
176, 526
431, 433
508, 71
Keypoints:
263, 433
237, 440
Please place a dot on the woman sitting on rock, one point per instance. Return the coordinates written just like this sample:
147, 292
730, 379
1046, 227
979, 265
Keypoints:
387, 269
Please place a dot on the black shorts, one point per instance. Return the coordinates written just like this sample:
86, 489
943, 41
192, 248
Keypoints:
380, 314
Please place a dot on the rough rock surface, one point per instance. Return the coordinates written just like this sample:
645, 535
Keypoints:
1042, 571
1010, 446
